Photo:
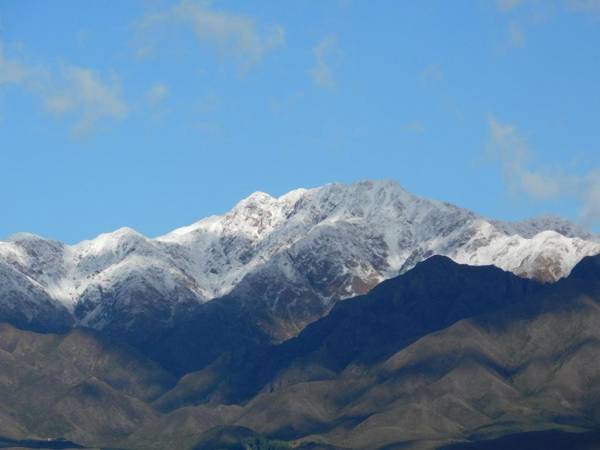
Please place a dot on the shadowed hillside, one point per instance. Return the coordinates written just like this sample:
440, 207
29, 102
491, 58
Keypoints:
445, 353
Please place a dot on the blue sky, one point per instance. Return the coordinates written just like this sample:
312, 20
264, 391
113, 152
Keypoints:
153, 114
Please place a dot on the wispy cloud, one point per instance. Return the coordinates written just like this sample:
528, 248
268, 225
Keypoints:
541, 9
415, 126
231, 35
524, 15
516, 36
511, 150
86, 96
157, 94
75, 91
585, 6
324, 51
507, 5
12, 71
205, 119
590, 211
16, 71
431, 74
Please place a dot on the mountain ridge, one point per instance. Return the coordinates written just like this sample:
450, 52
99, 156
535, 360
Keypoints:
444, 353
294, 255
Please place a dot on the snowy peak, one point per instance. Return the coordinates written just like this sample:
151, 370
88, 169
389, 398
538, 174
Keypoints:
322, 244
531, 227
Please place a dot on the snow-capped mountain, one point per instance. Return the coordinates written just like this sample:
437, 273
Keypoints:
297, 254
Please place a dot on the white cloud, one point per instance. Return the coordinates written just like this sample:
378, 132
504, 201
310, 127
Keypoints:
507, 5
431, 74
75, 91
590, 211
86, 96
157, 93
515, 30
321, 73
585, 6
525, 16
516, 36
538, 11
511, 150
232, 35
413, 127
11, 71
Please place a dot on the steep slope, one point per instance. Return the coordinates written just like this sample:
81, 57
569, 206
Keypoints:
285, 260
444, 353
25, 303
372, 374
475, 379
366, 329
77, 385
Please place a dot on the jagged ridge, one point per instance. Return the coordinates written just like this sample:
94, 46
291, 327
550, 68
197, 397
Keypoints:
304, 250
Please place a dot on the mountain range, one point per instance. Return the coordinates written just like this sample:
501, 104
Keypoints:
443, 354
345, 316
297, 255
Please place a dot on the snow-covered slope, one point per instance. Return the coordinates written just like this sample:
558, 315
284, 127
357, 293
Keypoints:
301, 250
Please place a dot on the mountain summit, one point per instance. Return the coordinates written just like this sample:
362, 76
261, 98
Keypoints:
295, 256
